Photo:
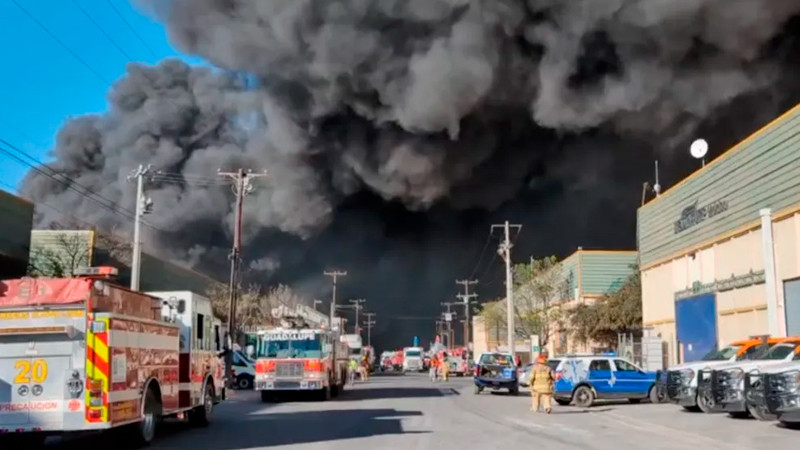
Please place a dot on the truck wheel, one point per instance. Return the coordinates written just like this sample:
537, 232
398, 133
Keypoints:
657, 395
584, 397
325, 395
145, 430
201, 415
704, 404
760, 414
244, 382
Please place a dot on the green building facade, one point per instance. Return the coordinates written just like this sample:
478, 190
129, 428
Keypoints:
594, 273
762, 171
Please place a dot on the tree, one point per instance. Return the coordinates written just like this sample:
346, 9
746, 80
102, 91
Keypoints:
68, 253
494, 317
538, 287
616, 312
254, 305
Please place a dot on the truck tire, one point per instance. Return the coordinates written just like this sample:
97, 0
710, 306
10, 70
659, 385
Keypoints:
583, 397
201, 415
325, 395
244, 382
760, 414
145, 431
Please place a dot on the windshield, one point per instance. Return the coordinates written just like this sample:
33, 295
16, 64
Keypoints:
723, 354
780, 351
414, 353
290, 345
496, 359
756, 352
553, 363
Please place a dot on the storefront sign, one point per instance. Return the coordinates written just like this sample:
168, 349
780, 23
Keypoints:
692, 215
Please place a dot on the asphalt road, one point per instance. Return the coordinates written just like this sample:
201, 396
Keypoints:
409, 412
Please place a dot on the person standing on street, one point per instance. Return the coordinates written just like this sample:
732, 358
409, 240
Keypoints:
352, 368
434, 368
542, 379
445, 365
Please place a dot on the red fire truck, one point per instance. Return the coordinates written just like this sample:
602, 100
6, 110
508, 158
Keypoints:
298, 357
83, 354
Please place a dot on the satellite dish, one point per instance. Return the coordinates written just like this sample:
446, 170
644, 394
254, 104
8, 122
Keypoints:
699, 148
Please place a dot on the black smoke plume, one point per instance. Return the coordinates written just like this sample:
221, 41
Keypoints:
396, 132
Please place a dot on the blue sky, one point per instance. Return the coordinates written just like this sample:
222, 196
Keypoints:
43, 84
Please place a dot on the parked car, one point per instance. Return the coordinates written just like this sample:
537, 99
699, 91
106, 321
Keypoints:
582, 379
525, 375
496, 371
244, 369
680, 381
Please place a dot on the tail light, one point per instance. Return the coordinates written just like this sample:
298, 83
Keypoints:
312, 365
265, 366
477, 371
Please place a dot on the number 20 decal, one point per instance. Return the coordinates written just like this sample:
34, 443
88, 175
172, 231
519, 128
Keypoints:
28, 371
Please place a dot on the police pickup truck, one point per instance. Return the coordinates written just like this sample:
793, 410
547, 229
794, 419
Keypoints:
496, 371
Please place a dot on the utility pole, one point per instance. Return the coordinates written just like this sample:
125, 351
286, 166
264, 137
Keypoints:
334, 274
143, 206
241, 188
369, 323
466, 297
449, 320
505, 251
357, 305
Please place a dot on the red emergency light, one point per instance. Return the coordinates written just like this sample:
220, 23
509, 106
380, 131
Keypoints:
101, 271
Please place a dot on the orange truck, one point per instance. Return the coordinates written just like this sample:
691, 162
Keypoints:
83, 354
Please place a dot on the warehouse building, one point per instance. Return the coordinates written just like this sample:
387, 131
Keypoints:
587, 275
719, 251
59, 252
16, 221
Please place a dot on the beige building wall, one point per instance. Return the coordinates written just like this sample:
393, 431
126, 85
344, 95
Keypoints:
742, 311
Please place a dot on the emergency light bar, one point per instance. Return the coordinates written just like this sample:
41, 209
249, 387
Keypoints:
105, 271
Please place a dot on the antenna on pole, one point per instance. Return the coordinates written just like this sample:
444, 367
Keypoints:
698, 149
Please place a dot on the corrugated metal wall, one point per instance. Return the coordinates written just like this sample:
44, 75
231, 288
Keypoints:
603, 272
761, 172
16, 221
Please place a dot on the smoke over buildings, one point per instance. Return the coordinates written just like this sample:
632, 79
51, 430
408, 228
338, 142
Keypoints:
396, 131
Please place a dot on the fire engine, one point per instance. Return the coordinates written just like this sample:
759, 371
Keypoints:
83, 354
298, 357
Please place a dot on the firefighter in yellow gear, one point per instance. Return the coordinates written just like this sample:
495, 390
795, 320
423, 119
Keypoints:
445, 366
542, 379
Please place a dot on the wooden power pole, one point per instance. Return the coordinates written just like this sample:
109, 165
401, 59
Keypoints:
242, 187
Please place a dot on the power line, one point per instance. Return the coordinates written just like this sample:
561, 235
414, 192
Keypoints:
130, 27
70, 184
91, 19
69, 50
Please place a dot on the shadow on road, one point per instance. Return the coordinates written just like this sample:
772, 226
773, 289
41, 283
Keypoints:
286, 428
376, 393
